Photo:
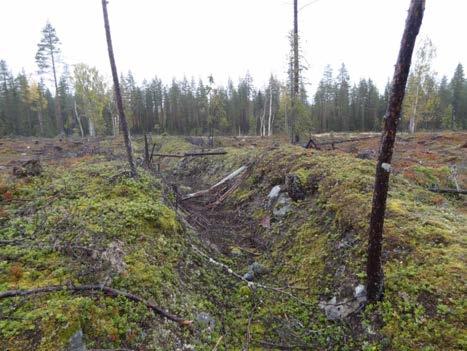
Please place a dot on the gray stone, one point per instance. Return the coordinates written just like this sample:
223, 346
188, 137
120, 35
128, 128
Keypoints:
257, 268
366, 154
76, 342
337, 310
249, 276
282, 206
273, 195
205, 320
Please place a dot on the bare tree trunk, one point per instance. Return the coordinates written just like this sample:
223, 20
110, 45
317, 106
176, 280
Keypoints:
40, 119
270, 113
296, 73
286, 127
263, 121
296, 68
414, 112
58, 106
78, 119
92, 128
375, 277
118, 95
147, 161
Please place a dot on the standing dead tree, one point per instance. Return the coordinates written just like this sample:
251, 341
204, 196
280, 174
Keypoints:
118, 94
375, 277
295, 74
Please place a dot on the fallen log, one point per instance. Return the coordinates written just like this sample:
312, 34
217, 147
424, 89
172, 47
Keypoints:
192, 154
312, 144
95, 289
448, 191
215, 186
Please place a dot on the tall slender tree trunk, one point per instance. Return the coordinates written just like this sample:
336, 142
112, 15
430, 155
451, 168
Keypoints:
263, 121
40, 119
295, 73
375, 277
78, 119
270, 113
286, 127
118, 94
58, 106
414, 112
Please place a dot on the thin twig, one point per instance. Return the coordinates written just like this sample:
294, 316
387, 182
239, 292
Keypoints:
250, 283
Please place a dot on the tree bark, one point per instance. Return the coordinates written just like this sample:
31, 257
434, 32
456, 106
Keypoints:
118, 95
375, 277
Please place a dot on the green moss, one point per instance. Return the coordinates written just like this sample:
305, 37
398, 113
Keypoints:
313, 253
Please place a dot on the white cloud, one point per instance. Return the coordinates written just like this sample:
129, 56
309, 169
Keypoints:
230, 37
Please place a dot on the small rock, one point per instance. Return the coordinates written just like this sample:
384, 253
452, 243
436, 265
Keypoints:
360, 293
366, 154
249, 276
337, 310
206, 320
257, 268
283, 206
274, 194
76, 342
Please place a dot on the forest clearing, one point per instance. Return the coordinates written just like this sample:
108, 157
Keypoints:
137, 215
82, 221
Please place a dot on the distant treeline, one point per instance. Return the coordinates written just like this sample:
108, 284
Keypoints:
27, 106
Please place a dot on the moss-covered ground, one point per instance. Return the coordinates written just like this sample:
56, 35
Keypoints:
84, 222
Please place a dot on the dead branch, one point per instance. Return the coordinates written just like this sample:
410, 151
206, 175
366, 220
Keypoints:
348, 140
192, 154
234, 187
312, 144
448, 191
215, 186
96, 289
152, 152
250, 283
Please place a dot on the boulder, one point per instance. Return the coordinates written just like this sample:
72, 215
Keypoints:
294, 187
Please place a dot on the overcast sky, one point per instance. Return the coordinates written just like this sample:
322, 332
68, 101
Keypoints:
173, 38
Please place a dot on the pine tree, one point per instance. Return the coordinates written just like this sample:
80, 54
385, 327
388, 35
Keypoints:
47, 60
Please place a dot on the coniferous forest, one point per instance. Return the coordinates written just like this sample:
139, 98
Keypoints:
78, 100
261, 212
